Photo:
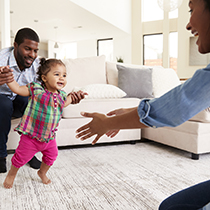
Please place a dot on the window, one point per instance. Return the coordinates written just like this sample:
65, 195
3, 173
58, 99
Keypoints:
153, 49
105, 47
173, 49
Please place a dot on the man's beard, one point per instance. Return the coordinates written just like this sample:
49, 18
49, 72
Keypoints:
22, 62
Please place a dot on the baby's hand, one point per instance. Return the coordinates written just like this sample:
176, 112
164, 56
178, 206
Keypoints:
76, 97
6, 75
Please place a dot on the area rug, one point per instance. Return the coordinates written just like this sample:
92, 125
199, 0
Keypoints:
111, 177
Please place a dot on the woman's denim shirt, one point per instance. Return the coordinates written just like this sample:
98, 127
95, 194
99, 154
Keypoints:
179, 104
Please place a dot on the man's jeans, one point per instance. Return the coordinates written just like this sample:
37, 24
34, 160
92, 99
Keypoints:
9, 109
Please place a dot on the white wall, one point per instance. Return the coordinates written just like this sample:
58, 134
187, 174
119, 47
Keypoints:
86, 48
130, 47
122, 48
117, 12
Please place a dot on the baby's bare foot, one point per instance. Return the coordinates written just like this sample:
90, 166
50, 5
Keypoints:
8, 182
44, 178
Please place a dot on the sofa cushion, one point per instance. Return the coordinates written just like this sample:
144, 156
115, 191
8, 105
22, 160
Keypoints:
101, 91
98, 105
203, 116
136, 82
112, 71
85, 71
163, 79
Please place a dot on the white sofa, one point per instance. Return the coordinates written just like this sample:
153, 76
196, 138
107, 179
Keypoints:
100, 78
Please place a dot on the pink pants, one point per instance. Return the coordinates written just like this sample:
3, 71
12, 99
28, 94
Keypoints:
28, 147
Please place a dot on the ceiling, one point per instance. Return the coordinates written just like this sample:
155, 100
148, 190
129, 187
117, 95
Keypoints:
73, 22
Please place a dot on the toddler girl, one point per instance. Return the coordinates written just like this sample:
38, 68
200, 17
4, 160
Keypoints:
40, 120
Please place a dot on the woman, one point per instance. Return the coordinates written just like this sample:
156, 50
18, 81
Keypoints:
171, 109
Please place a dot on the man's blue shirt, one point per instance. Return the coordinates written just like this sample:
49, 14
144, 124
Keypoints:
22, 77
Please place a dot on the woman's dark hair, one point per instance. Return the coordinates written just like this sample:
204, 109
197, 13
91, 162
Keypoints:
45, 66
207, 4
26, 33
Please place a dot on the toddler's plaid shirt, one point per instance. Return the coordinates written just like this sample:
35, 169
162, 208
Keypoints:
42, 115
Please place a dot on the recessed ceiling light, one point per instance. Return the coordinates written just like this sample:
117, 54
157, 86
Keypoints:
77, 27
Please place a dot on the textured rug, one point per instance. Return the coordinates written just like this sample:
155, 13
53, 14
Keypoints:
124, 177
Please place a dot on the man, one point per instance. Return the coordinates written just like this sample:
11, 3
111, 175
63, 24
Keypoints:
21, 63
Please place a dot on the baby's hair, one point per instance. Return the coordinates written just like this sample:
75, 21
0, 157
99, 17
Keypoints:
45, 66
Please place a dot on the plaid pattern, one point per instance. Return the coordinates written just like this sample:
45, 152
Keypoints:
22, 77
42, 114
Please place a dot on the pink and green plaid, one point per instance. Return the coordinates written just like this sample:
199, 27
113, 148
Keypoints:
43, 113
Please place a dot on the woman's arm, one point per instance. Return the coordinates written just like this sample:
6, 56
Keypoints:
113, 133
101, 124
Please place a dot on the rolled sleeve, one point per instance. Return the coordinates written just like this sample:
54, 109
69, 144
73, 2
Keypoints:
143, 111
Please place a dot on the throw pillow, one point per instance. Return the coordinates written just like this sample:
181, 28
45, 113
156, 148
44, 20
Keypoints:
85, 71
163, 79
135, 82
112, 72
101, 91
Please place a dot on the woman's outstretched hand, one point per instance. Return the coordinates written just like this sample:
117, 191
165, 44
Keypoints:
113, 133
97, 126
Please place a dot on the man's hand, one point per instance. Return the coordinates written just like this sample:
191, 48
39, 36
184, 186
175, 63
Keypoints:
96, 127
76, 97
6, 75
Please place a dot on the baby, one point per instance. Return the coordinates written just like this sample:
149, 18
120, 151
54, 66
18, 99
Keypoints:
41, 117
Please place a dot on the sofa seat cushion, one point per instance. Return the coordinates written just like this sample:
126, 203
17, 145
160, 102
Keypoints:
189, 136
98, 105
191, 127
203, 116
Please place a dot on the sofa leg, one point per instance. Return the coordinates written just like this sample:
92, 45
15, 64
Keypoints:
132, 142
195, 156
